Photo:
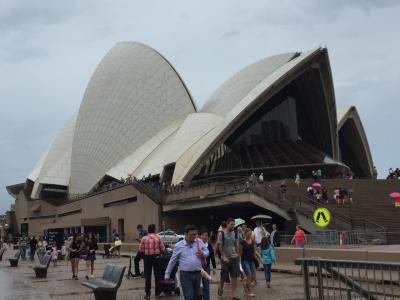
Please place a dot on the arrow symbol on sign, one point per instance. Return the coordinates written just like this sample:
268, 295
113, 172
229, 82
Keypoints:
321, 214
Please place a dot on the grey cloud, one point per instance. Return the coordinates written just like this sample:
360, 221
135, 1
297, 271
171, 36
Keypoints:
17, 15
18, 53
229, 34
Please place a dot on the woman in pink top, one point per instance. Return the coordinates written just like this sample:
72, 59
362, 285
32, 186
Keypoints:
299, 237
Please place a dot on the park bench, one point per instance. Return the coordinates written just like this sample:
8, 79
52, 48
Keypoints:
41, 268
15, 259
2, 250
107, 287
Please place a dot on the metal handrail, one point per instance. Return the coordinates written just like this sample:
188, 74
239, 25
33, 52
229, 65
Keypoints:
329, 274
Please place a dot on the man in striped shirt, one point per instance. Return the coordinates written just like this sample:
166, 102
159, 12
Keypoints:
152, 246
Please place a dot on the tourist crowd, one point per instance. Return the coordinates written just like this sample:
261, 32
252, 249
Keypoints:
240, 250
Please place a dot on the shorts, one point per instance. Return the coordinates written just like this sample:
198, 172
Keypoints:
249, 267
231, 268
91, 256
299, 245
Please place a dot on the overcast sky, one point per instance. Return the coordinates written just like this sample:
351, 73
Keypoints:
49, 49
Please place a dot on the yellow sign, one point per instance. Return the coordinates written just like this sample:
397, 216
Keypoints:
322, 217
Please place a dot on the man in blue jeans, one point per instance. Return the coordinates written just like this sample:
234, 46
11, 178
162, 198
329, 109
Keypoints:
188, 253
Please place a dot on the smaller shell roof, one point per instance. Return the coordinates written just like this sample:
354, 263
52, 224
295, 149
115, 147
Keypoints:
350, 113
239, 109
240, 84
56, 166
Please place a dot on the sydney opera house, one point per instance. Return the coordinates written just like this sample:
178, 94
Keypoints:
137, 117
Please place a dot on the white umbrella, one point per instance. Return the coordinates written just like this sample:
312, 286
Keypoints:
261, 217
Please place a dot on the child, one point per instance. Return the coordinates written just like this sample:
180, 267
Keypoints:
267, 253
54, 254
64, 250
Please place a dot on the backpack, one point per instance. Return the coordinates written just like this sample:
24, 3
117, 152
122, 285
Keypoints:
223, 237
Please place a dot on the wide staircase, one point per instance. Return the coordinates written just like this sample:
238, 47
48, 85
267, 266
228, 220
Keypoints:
371, 208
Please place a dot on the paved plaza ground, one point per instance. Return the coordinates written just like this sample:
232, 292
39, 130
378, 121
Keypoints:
21, 283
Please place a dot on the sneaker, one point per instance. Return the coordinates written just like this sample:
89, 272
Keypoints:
87, 277
268, 285
147, 297
91, 276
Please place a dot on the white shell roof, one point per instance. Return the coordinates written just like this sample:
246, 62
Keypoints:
350, 112
56, 167
239, 85
137, 116
133, 94
191, 159
38, 166
191, 131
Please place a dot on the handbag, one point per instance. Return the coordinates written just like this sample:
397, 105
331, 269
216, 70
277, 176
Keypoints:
202, 259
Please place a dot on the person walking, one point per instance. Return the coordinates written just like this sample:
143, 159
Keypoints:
210, 260
229, 249
33, 245
259, 233
74, 249
54, 254
275, 236
248, 258
139, 255
117, 244
267, 253
23, 244
152, 246
91, 247
190, 254
41, 249
299, 237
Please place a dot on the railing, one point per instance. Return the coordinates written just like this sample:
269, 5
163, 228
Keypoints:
339, 239
306, 207
345, 279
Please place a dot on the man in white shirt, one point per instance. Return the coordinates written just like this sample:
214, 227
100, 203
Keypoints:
259, 232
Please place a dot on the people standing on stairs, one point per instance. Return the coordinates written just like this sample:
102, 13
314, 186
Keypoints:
318, 174
325, 195
297, 180
261, 178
